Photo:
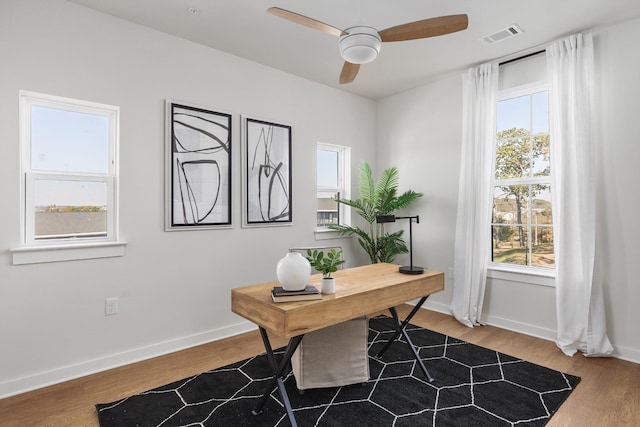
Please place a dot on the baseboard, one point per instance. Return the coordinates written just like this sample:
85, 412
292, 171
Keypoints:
437, 306
499, 322
66, 373
523, 328
626, 353
619, 352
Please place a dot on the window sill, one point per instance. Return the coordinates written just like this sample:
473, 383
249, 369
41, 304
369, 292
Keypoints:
326, 234
532, 276
42, 254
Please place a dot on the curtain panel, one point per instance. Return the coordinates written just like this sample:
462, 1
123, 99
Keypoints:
473, 234
579, 294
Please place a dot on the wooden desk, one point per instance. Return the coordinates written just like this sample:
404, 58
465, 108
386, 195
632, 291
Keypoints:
359, 291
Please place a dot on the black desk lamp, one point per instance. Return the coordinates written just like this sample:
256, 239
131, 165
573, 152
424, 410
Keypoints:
410, 269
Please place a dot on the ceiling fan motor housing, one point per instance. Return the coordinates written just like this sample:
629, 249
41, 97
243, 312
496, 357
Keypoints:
360, 45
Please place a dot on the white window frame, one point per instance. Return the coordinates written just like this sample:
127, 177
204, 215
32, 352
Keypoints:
520, 273
63, 249
344, 184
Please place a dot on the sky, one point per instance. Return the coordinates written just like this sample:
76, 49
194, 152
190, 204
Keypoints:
69, 142
327, 168
515, 112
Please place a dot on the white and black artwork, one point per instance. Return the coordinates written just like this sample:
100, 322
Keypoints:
266, 173
198, 167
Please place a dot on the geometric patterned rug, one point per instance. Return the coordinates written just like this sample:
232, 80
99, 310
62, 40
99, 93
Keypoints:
473, 386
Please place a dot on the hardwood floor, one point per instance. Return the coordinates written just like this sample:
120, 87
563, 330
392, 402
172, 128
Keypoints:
608, 395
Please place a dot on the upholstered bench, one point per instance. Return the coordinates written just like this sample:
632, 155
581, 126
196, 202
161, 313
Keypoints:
333, 357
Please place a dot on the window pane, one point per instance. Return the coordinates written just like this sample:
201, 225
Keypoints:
514, 114
68, 141
327, 168
523, 230
510, 244
510, 204
67, 208
328, 210
540, 112
542, 227
541, 205
542, 243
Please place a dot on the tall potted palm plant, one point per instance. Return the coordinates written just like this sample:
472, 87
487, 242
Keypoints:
376, 199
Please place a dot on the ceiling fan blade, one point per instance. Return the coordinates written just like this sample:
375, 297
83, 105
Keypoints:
426, 28
349, 72
304, 20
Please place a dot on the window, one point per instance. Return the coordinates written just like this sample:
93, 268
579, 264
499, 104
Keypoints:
69, 171
522, 230
333, 182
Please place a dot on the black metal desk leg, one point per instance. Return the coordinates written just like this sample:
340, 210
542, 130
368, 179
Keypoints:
404, 324
278, 374
401, 330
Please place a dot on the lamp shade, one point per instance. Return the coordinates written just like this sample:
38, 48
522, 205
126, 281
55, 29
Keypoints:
360, 45
383, 219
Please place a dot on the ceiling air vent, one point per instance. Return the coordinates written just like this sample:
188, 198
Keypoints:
506, 33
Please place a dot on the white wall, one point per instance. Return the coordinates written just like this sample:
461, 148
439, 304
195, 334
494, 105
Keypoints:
173, 287
619, 68
420, 131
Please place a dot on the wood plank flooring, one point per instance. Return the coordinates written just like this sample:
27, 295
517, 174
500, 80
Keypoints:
608, 395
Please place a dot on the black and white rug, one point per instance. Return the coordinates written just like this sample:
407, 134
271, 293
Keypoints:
473, 386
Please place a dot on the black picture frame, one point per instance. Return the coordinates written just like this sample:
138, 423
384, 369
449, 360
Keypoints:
267, 173
198, 167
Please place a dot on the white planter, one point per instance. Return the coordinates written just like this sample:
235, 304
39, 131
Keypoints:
293, 272
328, 285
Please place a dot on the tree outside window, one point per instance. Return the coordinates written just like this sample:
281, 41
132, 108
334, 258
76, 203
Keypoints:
522, 228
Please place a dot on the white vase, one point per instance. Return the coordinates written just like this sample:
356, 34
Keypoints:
293, 272
328, 285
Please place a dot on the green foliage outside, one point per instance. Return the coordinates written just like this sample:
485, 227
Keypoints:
516, 152
542, 255
378, 198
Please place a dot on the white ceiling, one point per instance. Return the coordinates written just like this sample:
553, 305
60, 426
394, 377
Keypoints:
245, 29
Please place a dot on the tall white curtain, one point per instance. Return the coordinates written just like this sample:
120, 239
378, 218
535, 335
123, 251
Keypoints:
580, 305
473, 234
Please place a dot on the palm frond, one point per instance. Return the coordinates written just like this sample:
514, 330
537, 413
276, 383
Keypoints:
388, 180
386, 190
363, 208
367, 186
342, 229
405, 199
369, 247
391, 245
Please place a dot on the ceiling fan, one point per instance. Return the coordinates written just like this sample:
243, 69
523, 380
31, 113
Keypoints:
361, 44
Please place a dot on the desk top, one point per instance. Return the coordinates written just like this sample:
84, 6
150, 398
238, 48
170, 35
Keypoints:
359, 291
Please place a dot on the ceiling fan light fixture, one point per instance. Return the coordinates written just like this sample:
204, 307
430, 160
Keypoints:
360, 45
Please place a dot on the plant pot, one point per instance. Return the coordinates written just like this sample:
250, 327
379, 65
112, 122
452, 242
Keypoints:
328, 285
293, 272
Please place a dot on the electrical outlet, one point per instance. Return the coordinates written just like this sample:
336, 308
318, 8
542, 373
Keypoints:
111, 306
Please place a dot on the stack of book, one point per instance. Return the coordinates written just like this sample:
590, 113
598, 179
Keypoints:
307, 294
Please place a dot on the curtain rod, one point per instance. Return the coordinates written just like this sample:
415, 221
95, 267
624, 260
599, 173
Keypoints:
508, 61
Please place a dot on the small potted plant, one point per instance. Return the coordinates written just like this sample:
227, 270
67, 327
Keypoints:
326, 265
